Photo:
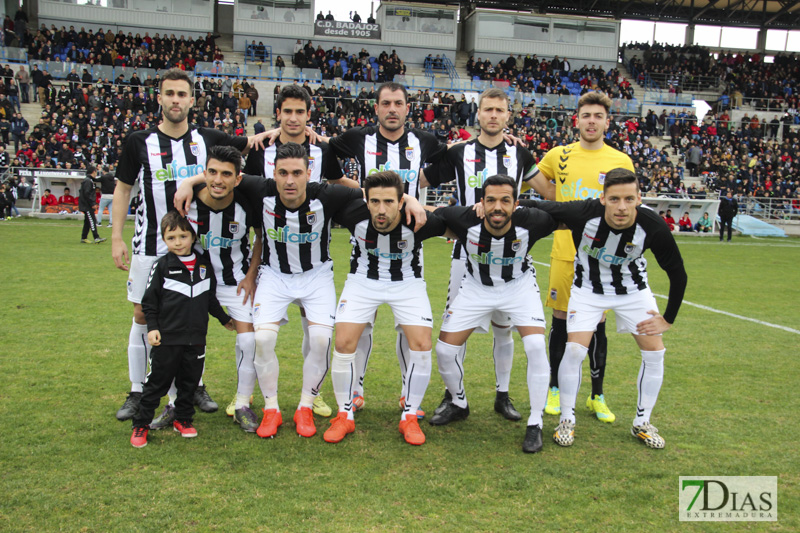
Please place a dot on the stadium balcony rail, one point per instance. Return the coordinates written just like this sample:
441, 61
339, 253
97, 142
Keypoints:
442, 65
258, 53
13, 55
771, 209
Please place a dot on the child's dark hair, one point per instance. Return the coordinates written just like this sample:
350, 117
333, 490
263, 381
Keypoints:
173, 220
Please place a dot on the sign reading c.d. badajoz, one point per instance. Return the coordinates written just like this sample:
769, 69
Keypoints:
340, 28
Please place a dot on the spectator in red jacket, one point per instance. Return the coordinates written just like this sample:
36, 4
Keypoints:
685, 223
67, 198
49, 198
669, 220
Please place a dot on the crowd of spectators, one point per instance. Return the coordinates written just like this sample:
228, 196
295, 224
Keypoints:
338, 64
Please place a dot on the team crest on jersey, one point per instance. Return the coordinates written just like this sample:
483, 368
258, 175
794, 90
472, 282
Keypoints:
506, 160
571, 317
446, 316
195, 148
256, 310
554, 294
516, 245
311, 217
629, 248
310, 163
233, 227
410, 153
601, 179
202, 272
342, 305
402, 245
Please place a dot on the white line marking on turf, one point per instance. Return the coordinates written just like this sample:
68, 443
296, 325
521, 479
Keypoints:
706, 308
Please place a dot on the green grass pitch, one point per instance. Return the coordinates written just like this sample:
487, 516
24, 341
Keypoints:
727, 407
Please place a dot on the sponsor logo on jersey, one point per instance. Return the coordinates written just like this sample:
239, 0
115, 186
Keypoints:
366, 240
477, 180
629, 247
311, 217
310, 163
406, 174
172, 272
576, 191
479, 245
287, 236
590, 237
392, 256
601, 255
233, 227
174, 171
374, 153
158, 154
409, 153
209, 240
402, 245
488, 258
270, 213
506, 160
195, 149
271, 163
516, 245
473, 160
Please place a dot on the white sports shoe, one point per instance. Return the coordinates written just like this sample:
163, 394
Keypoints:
565, 433
648, 434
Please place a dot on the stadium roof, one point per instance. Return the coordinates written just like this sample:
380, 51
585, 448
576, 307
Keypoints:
771, 14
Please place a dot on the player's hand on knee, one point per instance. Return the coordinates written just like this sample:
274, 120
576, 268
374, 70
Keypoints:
653, 326
154, 337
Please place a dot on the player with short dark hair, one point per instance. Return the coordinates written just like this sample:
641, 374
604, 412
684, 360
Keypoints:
611, 235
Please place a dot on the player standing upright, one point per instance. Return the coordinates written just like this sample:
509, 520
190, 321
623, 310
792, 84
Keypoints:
158, 159
611, 235
390, 146
469, 164
578, 171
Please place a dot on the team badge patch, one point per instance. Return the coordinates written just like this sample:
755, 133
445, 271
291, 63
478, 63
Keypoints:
554, 294
446, 316
233, 227
402, 245
571, 317
195, 148
409, 153
202, 271
130, 285
507, 161
256, 310
310, 163
601, 179
342, 305
516, 245
311, 217
629, 248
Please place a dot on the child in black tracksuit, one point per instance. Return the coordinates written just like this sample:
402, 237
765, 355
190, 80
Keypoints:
180, 293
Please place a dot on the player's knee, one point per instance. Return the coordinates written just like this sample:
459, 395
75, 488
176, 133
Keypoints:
319, 338
575, 352
502, 334
419, 343
138, 314
340, 358
654, 358
266, 337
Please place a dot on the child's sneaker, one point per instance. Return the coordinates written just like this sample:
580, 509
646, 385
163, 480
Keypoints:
139, 437
186, 429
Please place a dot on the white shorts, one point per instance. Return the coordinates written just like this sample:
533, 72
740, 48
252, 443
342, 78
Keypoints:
586, 309
226, 294
314, 291
458, 271
517, 303
137, 276
408, 300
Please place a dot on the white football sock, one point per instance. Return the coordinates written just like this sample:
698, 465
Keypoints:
343, 375
266, 362
305, 345
503, 353
538, 376
418, 375
138, 353
245, 368
569, 378
651, 375
315, 367
402, 350
451, 368
363, 351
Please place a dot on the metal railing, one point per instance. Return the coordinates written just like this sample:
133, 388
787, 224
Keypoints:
13, 55
771, 209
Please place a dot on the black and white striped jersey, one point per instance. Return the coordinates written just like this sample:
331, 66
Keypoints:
225, 234
297, 240
321, 161
392, 256
375, 153
611, 261
496, 260
159, 163
470, 163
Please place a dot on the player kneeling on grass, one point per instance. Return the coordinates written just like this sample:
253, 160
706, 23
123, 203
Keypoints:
611, 235
386, 268
179, 295
499, 284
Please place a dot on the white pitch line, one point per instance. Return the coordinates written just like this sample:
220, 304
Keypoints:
718, 311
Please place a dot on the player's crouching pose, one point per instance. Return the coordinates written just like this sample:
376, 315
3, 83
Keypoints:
500, 279
180, 293
386, 268
610, 236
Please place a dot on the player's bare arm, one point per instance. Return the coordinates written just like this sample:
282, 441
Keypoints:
119, 250
415, 211
542, 185
185, 193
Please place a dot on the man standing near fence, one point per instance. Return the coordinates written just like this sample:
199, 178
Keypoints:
728, 207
